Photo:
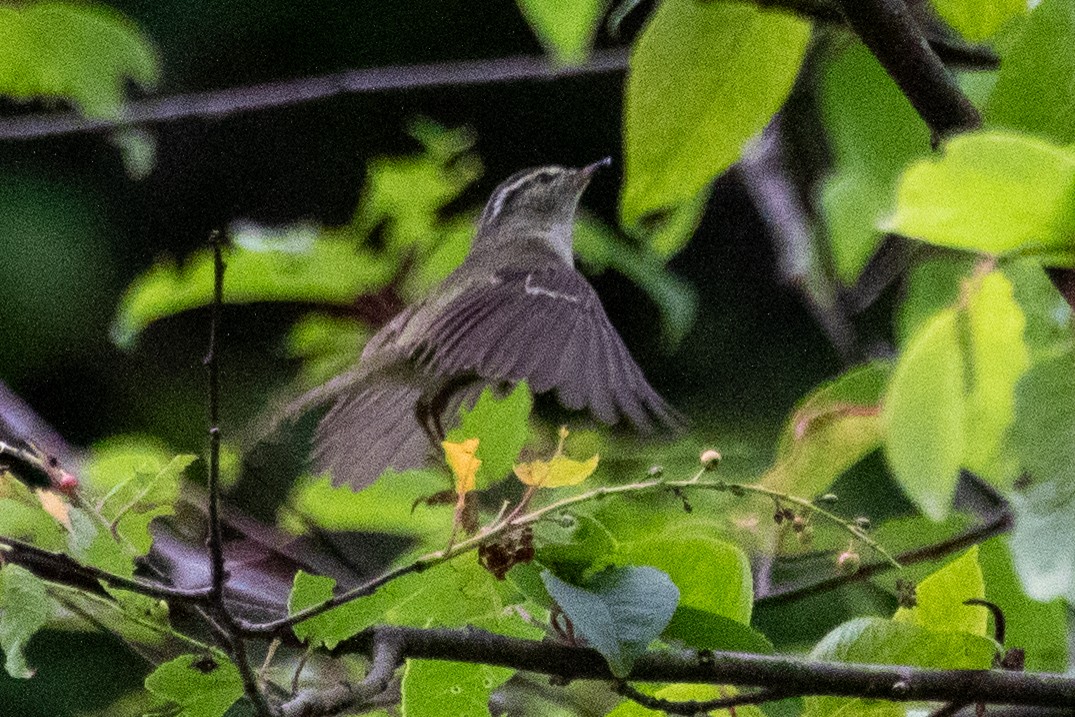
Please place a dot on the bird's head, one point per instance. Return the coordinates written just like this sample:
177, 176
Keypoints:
535, 204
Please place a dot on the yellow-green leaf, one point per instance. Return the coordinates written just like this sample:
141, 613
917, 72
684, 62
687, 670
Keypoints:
704, 77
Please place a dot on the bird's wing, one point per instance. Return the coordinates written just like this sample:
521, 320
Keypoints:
548, 327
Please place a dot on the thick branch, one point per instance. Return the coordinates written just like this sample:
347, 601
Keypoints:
794, 675
895, 39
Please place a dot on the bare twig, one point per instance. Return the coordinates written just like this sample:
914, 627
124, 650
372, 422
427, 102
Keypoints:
64, 570
285, 93
690, 708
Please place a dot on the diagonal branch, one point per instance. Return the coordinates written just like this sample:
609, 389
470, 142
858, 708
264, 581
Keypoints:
892, 35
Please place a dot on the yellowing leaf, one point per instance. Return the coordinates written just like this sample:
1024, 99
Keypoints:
557, 472
463, 462
55, 506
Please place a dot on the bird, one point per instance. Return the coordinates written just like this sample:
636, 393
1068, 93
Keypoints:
515, 310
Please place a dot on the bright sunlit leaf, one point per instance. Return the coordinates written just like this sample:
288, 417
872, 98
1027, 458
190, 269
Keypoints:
994, 193
704, 77
924, 415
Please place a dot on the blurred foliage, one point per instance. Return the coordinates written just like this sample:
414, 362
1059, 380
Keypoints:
82, 54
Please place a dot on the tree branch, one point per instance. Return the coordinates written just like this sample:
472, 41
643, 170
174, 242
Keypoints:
64, 570
888, 30
285, 93
386, 656
690, 708
795, 676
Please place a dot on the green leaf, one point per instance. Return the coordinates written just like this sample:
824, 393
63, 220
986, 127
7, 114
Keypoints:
432, 688
1047, 313
1033, 92
703, 79
501, 426
1043, 540
704, 630
924, 416
325, 630
452, 595
25, 522
25, 607
1040, 628
80, 53
327, 346
832, 429
566, 28
575, 551
712, 575
202, 685
387, 506
978, 20
994, 193
134, 503
932, 285
94, 545
119, 458
874, 131
324, 271
599, 250
997, 357
619, 612
878, 641
941, 596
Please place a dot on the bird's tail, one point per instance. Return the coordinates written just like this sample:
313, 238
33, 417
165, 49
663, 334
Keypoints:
373, 426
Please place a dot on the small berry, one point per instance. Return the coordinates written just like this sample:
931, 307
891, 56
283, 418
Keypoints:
710, 459
848, 562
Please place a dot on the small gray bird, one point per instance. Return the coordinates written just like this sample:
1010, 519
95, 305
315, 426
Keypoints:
515, 309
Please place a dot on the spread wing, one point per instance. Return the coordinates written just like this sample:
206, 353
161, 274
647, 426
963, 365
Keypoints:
548, 327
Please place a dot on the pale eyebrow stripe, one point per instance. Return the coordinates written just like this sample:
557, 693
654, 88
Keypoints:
502, 196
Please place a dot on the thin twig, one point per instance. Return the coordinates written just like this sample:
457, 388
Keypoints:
690, 708
1000, 524
212, 362
513, 523
285, 93
218, 576
64, 570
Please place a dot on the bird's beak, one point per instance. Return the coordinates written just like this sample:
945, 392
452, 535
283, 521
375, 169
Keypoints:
586, 172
